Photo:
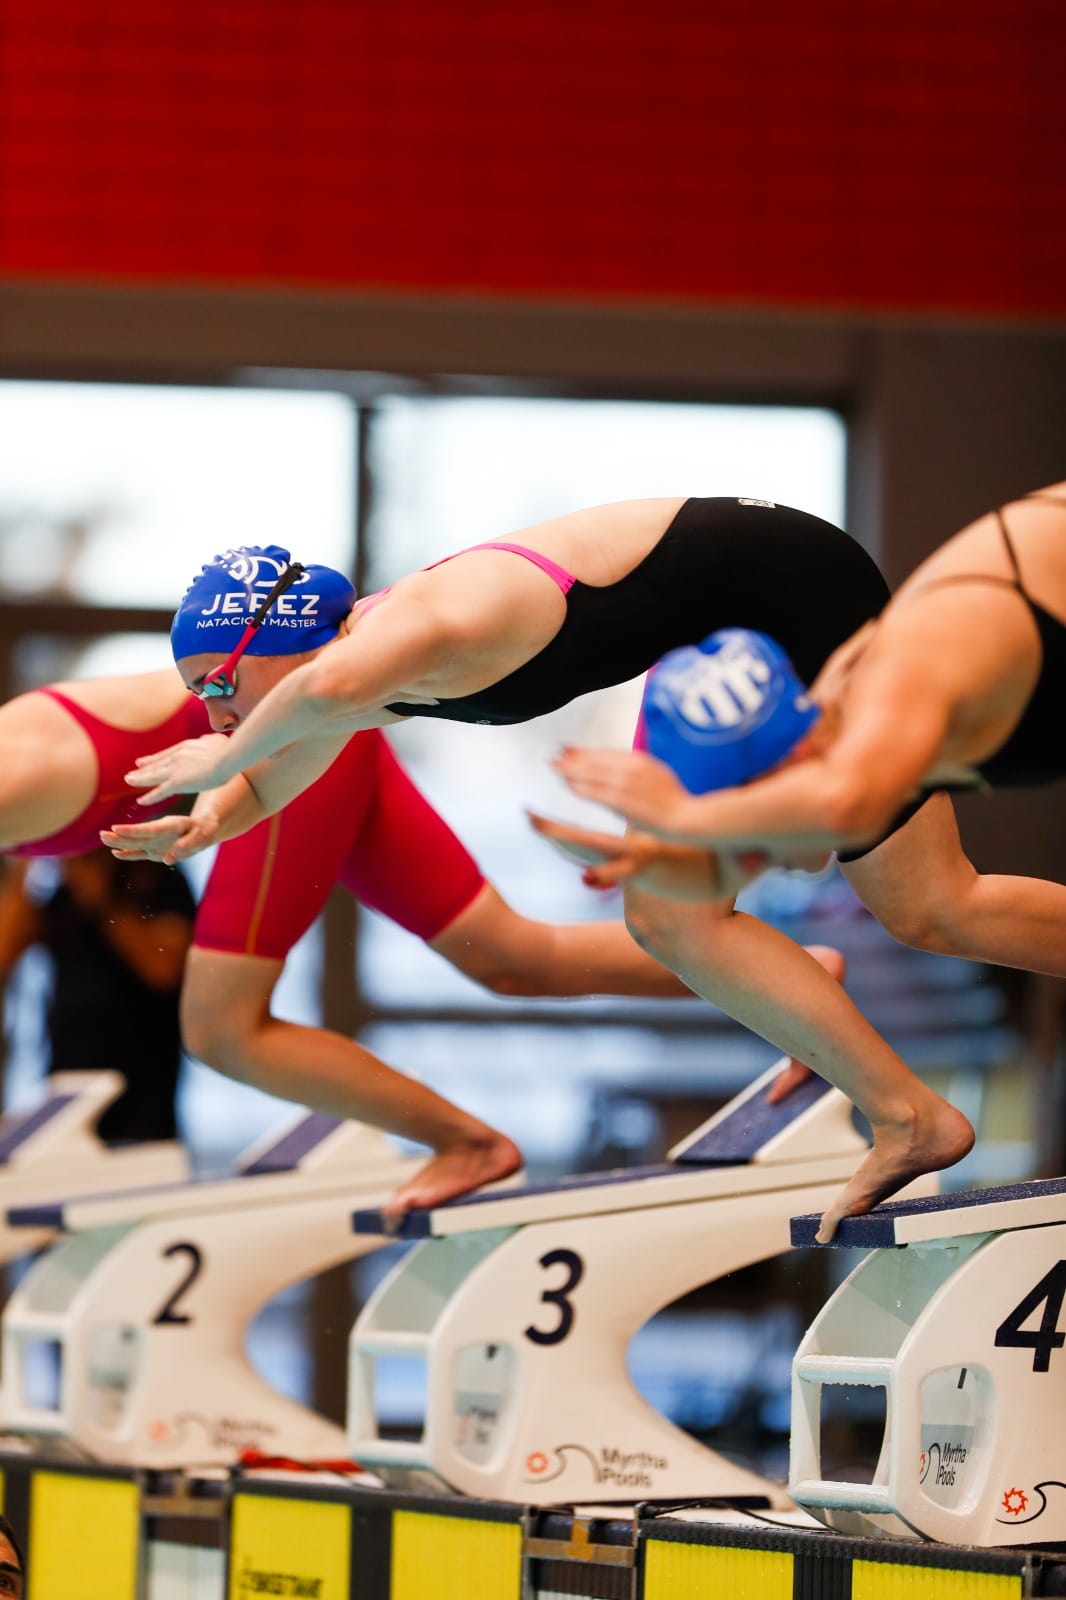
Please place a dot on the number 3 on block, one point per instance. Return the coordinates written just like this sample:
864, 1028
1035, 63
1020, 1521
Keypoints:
559, 1297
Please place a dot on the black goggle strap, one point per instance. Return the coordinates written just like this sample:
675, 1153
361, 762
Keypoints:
292, 574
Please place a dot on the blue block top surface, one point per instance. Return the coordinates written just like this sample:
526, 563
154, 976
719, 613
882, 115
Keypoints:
46, 1214
290, 1149
417, 1224
19, 1129
734, 1142
878, 1228
53, 1213
741, 1135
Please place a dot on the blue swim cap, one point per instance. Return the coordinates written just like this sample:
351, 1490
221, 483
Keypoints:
725, 711
219, 604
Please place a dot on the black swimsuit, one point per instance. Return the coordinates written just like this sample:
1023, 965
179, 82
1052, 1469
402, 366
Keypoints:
722, 563
1035, 751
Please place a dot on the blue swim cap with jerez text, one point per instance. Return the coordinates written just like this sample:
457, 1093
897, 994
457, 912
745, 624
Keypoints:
222, 599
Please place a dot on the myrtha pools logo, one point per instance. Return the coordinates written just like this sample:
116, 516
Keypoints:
611, 1467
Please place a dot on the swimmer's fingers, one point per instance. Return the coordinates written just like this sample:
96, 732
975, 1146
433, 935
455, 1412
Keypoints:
185, 768
613, 874
587, 846
143, 840
166, 839
667, 871
172, 753
628, 781
674, 871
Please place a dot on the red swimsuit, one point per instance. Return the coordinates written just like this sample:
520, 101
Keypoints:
116, 750
363, 824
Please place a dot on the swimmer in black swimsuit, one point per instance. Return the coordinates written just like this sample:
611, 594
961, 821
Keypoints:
509, 631
961, 682
595, 599
964, 691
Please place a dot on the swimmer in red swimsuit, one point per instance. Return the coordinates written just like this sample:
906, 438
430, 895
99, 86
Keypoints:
66, 750
365, 825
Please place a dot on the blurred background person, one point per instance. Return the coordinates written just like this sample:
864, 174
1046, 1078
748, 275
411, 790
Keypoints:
117, 935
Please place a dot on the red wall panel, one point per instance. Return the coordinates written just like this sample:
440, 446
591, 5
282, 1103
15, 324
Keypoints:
893, 153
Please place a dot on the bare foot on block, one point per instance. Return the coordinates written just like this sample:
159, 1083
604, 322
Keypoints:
933, 1136
454, 1171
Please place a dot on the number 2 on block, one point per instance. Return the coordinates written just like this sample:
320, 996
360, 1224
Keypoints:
170, 1314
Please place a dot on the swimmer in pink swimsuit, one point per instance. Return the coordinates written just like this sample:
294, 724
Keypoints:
493, 635
363, 824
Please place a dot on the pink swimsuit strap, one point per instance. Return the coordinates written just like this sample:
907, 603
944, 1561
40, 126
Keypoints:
559, 575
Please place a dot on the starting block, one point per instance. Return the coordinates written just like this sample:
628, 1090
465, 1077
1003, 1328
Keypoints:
958, 1317
521, 1305
145, 1300
54, 1146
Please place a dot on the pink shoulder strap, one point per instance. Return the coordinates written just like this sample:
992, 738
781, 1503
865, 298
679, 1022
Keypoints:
559, 575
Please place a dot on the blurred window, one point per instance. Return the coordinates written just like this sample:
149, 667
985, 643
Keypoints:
450, 472
447, 473
114, 494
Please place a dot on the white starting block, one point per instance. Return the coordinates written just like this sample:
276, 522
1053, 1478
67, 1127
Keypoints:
521, 1307
963, 1329
146, 1300
54, 1146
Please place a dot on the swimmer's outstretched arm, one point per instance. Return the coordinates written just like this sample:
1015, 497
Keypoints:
894, 727
229, 810
218, 815
342, 689
669, 871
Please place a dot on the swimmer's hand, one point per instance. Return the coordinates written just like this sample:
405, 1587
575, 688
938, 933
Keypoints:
642, 789
166, 839
608, 858
184, 768
673, 871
